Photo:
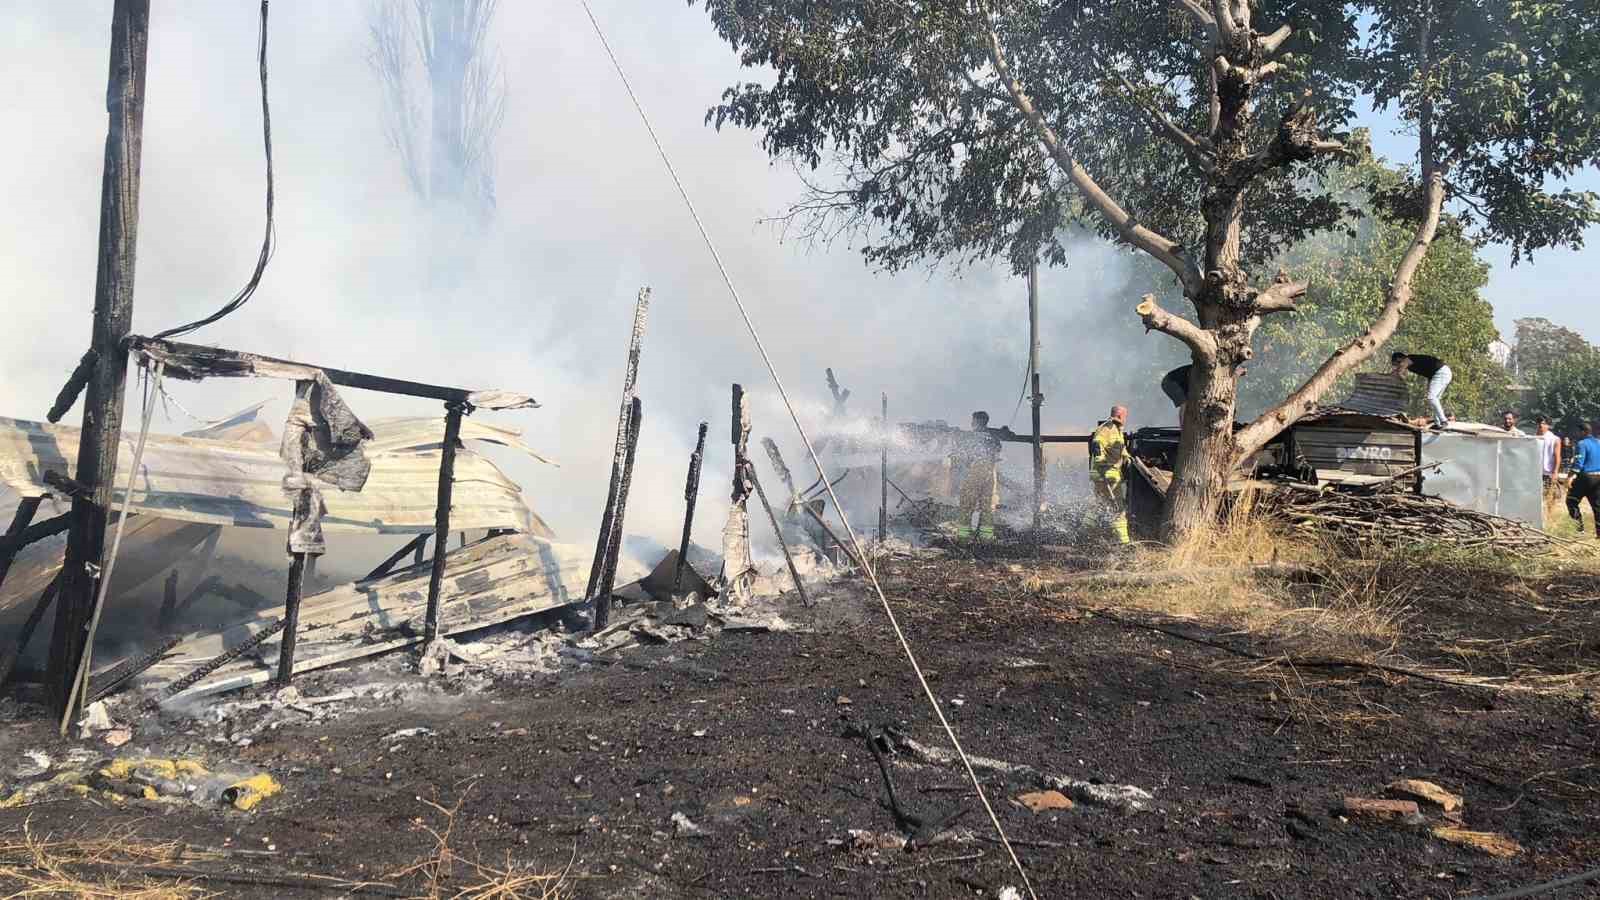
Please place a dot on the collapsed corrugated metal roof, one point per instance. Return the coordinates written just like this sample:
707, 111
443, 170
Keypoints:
494, 580
240, 483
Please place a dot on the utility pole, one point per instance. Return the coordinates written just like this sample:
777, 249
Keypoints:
1038, 397
113, 317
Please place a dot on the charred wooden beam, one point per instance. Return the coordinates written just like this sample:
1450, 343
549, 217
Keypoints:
691, 493
736, 561
76, 382
128, 669
413, 546
70, 487
441, 515
619, 449
194, 362
222, 659
1038, 454
14, 539
13, 650
602, 600
113, 314
291, 618
777, 530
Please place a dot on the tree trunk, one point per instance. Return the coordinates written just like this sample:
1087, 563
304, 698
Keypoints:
1205, 449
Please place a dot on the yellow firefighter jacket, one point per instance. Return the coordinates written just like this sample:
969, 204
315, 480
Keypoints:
1108, 448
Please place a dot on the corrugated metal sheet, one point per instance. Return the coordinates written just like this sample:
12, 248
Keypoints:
239, 483
1378, 394
490, 581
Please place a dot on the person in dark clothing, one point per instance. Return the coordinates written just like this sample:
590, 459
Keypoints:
1585, 484
1434, 371
1175, 385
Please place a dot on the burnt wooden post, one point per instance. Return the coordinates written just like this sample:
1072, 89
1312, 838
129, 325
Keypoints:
8, 656
602, 600
619, 452
441, 516
1038, 396
291, 618
19, 523
691, 493
794, 573
113, 314
883, 475
736, 532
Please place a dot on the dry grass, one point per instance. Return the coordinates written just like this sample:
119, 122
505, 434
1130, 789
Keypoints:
35, 866
448, 876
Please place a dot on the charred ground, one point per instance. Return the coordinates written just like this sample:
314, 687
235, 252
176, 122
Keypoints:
752, 739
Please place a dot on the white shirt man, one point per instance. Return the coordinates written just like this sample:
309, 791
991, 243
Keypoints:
1549, 449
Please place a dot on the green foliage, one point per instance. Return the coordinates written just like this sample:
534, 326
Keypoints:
1348, 276
1542, 344
893, 108
1568, 391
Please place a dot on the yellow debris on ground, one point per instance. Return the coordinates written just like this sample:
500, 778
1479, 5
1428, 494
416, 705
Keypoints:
247, 794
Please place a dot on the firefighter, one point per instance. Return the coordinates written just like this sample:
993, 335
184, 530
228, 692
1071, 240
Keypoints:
1108, 457
980, 451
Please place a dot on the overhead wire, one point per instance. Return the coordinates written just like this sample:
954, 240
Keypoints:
850, 531
269, 239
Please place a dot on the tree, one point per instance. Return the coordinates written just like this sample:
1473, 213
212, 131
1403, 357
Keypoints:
1192, 131
1347, 274
1542, 344
439, 49
1568, 391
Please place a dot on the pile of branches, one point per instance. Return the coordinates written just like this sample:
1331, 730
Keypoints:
1399, 517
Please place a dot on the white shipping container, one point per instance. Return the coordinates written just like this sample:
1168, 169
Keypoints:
1488, 470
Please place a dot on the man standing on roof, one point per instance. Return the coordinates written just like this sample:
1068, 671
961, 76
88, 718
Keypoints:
1586, 480
1431, 368
1175, 385
1108, 457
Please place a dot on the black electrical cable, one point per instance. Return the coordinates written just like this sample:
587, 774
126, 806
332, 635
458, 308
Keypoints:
269, 239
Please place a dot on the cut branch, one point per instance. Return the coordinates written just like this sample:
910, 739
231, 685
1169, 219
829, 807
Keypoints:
1157, 245
1155, 318
1282, 296
1268, 44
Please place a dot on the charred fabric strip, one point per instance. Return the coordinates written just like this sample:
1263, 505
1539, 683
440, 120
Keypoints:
128, 669
8, 657
222, 659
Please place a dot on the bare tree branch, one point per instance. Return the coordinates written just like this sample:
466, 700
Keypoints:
1282, 296
1155, 318
1157, 245
1199, 150
1268, 44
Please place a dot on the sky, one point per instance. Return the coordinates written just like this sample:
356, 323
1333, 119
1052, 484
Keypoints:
586, 215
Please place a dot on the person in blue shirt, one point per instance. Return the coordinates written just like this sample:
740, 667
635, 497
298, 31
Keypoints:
1585, 484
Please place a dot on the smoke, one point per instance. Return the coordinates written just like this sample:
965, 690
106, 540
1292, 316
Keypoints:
585, 215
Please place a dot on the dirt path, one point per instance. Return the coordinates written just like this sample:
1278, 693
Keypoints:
747, 737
